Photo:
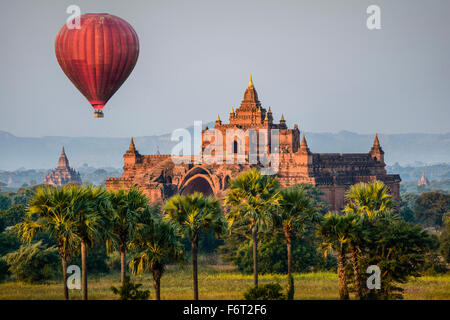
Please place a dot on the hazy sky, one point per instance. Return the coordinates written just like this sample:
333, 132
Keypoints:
315, 61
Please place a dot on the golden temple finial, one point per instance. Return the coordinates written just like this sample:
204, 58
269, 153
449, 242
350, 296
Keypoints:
282, 118
266, 118
270, 111
376, 142
250, 82
232, 110
218, 118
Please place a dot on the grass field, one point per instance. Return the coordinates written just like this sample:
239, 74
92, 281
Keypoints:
218, 282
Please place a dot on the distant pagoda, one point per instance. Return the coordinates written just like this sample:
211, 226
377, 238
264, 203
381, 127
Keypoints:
423, 181
63, 174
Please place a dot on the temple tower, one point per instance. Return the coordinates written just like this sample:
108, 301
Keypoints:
63, 174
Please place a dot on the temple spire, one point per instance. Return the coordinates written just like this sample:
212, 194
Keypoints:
304, 145
376, 151
282, 118
250, 82
132, 146
63, 162
376, 142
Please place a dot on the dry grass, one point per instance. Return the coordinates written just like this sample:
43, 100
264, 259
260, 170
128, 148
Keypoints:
219, 282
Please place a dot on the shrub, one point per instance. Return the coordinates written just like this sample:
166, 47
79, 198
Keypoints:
113, 261
33, 263
8, 242
5, 202
3, 269
269, 291
272, 256
130, 291
96, 260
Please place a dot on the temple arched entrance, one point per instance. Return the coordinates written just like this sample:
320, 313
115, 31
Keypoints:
197, 183
198, 179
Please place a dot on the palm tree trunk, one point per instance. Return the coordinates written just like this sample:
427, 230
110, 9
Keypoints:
84, 270
290, 288
64, 271
123, 253
343, 290
194, 265
255, 254
157, 283
356, 275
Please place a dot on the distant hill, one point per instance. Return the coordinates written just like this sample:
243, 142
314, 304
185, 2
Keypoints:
43, 152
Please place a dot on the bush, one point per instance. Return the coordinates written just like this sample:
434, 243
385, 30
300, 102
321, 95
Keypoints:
269, 291
130, 291
8, 242
96, 259
13, 214
33, 263
113, 261
272, 256
3, 269
5, 202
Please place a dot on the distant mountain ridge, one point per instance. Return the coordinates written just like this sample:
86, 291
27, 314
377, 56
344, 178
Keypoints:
43, 152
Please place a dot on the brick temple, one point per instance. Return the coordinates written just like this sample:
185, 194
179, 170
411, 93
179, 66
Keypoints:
333, 173
63, 174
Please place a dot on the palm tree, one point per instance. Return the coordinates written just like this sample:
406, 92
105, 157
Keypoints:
369, 199
154, 244
295, 211
193, 213
335, 231
90, 210
127, 206
356, 240
49, 212
252, 196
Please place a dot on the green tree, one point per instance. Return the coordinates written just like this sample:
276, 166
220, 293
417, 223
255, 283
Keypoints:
193, 213
33, 262
5, 202
50, 212
408, 205
336, 231
272, 255
127, 206
252, 198
13, 215
430, 208
444, 238
155, 244
295, 211
398, 248
90, 210
363, 200
368, 199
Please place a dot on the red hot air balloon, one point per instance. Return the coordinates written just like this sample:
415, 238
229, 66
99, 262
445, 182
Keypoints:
98, 57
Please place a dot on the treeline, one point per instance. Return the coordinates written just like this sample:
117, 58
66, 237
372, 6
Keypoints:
258, 226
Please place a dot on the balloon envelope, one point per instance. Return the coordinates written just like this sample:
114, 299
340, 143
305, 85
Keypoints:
98, 57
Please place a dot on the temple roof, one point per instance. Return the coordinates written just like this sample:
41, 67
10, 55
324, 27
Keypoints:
63, 162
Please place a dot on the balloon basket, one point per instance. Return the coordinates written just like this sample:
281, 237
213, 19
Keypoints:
98, 114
